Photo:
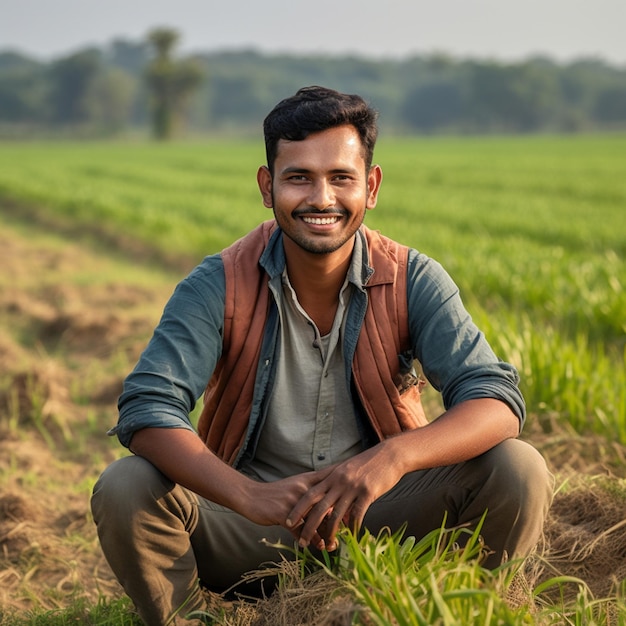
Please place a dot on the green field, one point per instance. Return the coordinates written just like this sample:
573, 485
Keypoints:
532, 229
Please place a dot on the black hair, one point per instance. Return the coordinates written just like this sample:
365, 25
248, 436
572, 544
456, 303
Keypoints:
314, 109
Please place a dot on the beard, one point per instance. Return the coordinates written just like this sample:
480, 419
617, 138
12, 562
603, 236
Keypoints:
319, 244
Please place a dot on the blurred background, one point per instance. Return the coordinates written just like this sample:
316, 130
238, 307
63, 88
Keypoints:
75, 68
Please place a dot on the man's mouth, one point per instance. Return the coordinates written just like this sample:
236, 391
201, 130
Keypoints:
320, 221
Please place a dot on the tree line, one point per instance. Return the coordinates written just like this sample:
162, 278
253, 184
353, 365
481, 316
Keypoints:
129, 86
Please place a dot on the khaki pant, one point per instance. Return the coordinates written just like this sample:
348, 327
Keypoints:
160, 538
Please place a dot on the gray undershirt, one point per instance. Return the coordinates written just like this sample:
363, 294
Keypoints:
311, 421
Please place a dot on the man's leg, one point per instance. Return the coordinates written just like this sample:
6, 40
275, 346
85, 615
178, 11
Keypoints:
227, 545
510, 482
160, 539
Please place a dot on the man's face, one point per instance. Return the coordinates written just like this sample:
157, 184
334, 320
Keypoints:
320, 189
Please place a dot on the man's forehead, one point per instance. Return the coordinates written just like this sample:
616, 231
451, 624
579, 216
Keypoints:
343, 140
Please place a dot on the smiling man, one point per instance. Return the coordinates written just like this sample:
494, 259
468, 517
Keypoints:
302, 336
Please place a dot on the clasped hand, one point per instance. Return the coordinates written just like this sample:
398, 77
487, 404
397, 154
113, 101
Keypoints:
315, 504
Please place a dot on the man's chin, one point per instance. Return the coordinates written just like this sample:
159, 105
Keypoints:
319, 245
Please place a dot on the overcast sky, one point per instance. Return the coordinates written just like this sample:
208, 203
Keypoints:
499, 29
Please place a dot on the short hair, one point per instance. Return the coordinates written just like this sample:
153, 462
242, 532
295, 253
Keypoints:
314, 109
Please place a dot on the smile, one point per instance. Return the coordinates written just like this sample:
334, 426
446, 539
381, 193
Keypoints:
321, 220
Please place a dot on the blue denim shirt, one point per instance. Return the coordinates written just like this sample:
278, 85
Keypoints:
175, 367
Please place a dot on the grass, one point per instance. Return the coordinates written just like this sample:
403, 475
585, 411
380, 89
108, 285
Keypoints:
428, 581
188, 199
104, 613
530, 228
432, 581
422, 582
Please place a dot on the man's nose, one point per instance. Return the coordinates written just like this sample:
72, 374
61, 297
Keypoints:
322, 195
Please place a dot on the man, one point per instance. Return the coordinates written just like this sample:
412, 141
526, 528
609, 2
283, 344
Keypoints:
304, 334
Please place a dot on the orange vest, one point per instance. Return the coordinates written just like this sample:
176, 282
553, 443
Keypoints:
390, 397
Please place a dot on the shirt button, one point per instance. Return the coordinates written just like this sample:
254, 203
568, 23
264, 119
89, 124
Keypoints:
321, 456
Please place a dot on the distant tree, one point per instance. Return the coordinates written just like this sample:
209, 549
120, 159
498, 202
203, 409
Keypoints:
11, 60
71, 78
521, 97
235, 100
129, 55
434, 106
490, 98
610, 106
535, 95
110, 98
171, 82
23, 96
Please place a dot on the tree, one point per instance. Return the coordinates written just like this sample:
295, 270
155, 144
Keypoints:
71, 79
171, 82
128, 55
23, 95
610, 106
434, 106
109, 99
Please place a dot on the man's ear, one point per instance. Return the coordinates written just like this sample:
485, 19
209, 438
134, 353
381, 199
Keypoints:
374, 181
264, 180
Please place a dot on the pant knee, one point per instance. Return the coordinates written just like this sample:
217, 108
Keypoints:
521, 474
125, 484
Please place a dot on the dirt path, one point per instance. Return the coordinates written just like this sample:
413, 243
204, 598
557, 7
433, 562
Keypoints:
73, 321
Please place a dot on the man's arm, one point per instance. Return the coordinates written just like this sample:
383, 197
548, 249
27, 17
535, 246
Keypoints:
455, 355
173, 370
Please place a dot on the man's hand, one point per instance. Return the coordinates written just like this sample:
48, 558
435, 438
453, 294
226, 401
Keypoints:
272, 503
344, 495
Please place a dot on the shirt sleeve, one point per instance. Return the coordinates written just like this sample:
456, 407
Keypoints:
455, 355
175, 367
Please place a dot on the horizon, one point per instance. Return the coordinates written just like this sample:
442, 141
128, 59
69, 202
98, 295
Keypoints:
312, 54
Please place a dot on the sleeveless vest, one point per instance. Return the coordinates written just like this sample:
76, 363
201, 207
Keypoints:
382, 366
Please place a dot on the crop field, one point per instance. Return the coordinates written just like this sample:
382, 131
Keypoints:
94, 236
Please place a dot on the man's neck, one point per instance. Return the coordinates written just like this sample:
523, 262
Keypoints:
317, 279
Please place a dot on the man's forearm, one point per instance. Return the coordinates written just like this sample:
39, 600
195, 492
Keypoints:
182, 456
461, 433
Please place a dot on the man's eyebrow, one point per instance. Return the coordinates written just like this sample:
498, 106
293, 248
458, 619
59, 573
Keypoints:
294, 169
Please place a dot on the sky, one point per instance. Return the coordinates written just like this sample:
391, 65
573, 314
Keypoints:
506, 30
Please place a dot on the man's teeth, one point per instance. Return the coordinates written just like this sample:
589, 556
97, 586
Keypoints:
320, 220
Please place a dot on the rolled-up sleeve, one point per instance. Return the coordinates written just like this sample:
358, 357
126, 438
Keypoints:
454, 354
175, 367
